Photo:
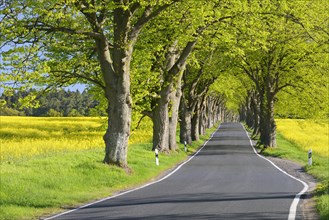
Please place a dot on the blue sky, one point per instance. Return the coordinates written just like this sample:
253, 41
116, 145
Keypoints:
80, 87
75, 87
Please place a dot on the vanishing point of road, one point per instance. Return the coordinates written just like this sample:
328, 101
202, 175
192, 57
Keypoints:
226, 179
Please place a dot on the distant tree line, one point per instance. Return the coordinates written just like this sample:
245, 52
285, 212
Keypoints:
55, 103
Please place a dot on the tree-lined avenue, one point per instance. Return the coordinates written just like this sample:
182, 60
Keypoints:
171, 60
225, 180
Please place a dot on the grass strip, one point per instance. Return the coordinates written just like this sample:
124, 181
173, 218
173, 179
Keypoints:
320, 169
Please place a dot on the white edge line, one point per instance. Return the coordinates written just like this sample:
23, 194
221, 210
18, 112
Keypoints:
132, 190
293, 206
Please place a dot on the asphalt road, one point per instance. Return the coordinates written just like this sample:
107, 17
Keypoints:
225, 180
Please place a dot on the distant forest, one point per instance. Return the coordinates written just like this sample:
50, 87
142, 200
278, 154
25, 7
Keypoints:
55, 103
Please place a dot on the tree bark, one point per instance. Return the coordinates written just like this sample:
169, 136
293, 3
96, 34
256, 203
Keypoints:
214, 110
255, 113
195, 124
185, 123
273, 125
202, 117
173, 120
246, 112
267, 122
209, 112
117, 91
161, 121
116, 75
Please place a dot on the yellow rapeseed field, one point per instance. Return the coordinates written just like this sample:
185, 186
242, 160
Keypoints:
308, 134
24, 137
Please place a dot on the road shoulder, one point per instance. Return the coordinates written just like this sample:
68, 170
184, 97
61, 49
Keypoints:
307, 203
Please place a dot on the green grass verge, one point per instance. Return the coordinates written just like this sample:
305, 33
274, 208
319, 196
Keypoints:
40, 186
320, 169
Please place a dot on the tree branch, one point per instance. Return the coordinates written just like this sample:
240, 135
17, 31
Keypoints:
149, 14
182, 58
51, 29
140, 120
77, 75
148, 113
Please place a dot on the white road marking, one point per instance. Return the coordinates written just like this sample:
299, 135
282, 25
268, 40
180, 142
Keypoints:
293, 206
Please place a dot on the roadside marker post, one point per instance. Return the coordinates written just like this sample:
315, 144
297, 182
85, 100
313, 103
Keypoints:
156, 157
185, 148
310, 157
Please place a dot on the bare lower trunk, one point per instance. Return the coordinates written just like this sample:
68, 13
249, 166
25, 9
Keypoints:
201, 123
209, 113
222, 114
173, 120
246, 112
267, 124
243, 113
254, 105
161, 121
185, 124
218, 110
195, 124
202, 118
119, 107
273, 125
117, 134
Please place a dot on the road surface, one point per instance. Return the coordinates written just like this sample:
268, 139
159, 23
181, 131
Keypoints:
225, 180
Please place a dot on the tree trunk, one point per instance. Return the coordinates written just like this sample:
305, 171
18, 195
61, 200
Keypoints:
195, 124
214, 111
273, 125
218, 112
267, 122
243, 113
115, 67
161, 121
173, 120
185, 123
202, 118
174, 68
209, 112
196, 120
256, 114
246, 112
182, 120
115, 62
117, 134
117, 82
